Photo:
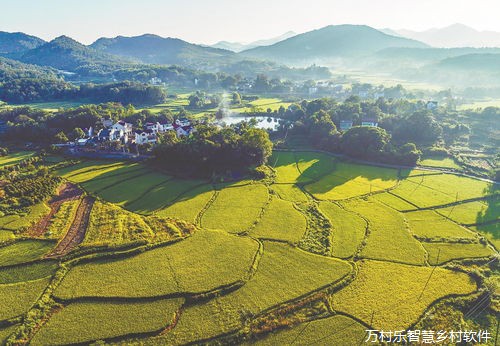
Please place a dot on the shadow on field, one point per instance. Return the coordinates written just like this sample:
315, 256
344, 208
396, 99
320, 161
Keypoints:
344, 172
492, 212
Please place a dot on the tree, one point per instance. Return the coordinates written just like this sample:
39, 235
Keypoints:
61, 137
419, 128
77, 133
236, 98
364, 142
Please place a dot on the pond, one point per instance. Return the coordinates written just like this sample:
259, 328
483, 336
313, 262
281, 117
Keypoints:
266, 123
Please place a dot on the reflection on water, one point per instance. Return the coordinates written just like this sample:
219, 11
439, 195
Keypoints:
266, 123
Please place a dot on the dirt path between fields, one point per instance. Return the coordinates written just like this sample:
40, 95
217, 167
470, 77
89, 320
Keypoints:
77, 231
67, 192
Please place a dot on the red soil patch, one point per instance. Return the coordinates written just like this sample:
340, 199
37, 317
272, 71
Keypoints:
77, 231
67, 192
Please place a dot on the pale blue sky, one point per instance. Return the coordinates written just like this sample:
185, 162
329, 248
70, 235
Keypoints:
205, 21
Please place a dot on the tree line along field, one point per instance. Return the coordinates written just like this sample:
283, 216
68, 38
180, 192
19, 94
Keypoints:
317, 254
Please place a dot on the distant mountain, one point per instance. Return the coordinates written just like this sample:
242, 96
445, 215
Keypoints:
473, 62
66, 54
239, 47
425, 55
15, 42
153, 49
456, 35
331, 42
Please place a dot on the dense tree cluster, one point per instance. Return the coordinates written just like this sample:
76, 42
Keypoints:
29, 188
213, 150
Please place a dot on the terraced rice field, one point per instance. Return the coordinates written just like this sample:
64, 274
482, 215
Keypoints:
389, 237
15, 158
440, 253
281, 221
236, 209
402, 306
431, 225
348, 229
169, 261
220, 260
86, 322
440, 162
284, 274
352, 180
24, 251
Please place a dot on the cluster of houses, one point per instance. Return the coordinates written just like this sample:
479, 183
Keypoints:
125, 133
347, 124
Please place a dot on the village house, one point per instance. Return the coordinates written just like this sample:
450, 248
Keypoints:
155, 127
145, 137
121, 125
369, 123
345, 125
432, 105
166, 126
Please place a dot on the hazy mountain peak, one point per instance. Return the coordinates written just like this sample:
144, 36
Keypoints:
455, 35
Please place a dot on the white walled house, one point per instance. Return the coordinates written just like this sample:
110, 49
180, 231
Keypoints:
127, 128
145, 136
155, 127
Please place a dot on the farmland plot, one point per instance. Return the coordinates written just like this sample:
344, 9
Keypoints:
281, 221
201, 263
389, 237
429, 224
24, 251
127, 191
27, 272
335, 330
16, 299
450, 251
284, 273
435, 190
161, 196
289, 192
15, 158
114, 177
473, 212
109, 224
393, 201
188, 206
86, 322
236, 208
300, 167
348, 229
25, 221
393, 293
352, 180
88, 170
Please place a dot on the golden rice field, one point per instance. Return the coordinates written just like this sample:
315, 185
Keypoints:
170, 261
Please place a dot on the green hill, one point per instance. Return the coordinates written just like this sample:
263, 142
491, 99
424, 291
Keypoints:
153, 49
335, 41
15, 42
64, 53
